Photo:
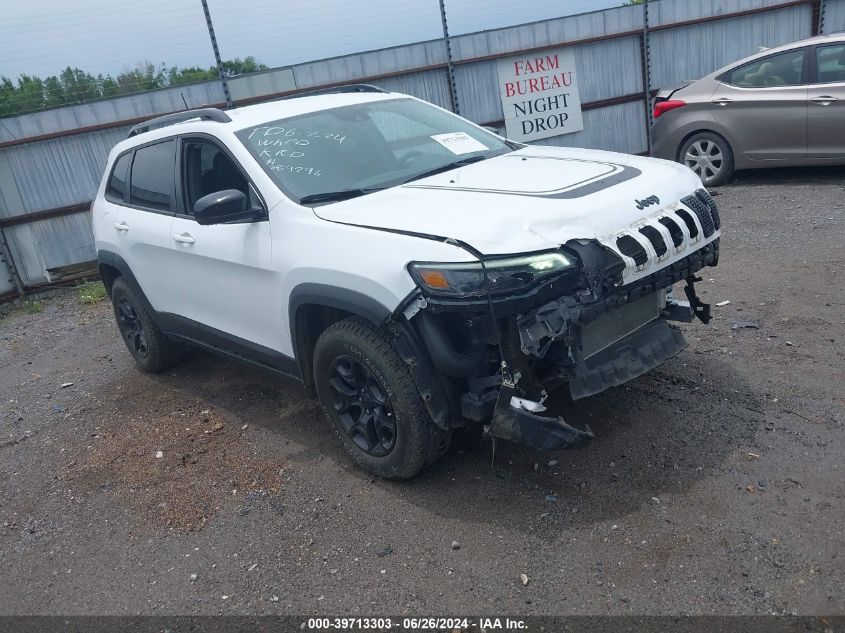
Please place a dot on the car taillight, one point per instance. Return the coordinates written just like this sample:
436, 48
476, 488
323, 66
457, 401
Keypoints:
664, 106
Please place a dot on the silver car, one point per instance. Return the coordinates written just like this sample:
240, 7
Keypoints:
784, 106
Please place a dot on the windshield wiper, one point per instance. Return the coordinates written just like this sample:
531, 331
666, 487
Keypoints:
447, 167
336, 196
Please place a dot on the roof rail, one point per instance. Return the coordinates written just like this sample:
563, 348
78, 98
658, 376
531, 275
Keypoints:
334, 90
206, 114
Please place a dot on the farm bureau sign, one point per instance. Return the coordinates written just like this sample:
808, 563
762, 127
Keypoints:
540, 95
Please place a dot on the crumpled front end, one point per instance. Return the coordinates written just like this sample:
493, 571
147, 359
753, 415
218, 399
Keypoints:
601, 324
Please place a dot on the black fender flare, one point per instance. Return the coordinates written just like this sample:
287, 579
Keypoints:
325, 295
108, 258
344, 299
408, 344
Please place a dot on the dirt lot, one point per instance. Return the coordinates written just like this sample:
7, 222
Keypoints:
715, 484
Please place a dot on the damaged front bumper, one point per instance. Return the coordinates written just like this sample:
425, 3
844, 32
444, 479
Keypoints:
592, 335
520, 420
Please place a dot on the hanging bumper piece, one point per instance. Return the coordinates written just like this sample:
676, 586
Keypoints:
513, 420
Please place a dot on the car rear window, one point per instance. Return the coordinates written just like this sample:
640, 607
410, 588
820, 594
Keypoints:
153, 176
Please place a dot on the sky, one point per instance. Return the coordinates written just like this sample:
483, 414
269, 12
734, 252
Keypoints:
42, 37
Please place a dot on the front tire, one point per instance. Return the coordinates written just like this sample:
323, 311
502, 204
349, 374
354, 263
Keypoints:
372, 403
151, 349
709, 156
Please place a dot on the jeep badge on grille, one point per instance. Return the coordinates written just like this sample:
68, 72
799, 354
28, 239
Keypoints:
645, 202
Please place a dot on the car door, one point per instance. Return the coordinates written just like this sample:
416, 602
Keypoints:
229, 291
762, 105
142, 220
826, 104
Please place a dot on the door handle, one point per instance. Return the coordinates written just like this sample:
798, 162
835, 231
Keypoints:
121, 226
824, 100
183, 238
722, 102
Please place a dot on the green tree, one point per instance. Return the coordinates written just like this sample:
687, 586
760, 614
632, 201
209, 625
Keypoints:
28, 94
78, 86
181, 76
74, 85
239, 67
108, 86
144, 76
54, 92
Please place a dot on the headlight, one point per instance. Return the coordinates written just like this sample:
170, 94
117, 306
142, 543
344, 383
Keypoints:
466, 279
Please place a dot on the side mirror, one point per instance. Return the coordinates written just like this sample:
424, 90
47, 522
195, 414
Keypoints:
222, 206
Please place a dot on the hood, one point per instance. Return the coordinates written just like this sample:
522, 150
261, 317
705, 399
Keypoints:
531, 199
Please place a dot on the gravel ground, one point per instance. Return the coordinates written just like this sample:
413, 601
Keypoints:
714, 485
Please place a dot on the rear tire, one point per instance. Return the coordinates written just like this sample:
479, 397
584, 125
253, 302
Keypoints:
151, 349
709, 156
372, 403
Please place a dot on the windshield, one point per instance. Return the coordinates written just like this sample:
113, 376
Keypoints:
336, 154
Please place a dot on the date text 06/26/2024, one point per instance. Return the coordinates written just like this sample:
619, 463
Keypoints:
415, 624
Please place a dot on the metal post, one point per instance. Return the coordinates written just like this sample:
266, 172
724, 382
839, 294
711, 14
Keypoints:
453, 91
646, 76
821, 17
6, 256
216, 54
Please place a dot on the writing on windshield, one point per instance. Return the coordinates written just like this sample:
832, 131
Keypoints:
363, 147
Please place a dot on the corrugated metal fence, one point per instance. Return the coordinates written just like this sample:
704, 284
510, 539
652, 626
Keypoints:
51, 161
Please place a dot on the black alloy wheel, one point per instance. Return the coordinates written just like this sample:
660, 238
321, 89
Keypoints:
362, 406
131, 328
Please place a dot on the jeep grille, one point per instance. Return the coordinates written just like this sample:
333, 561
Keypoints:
702, 211
674, 232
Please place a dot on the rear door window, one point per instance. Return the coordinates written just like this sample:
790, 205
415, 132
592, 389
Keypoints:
783, 69
153, 181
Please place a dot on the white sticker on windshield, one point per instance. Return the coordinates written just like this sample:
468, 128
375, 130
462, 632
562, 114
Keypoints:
459, 143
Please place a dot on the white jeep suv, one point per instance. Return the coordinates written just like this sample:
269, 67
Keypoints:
416, 272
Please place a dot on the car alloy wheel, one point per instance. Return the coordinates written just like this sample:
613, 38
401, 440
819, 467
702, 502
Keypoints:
362, 406
131, 327
706, 159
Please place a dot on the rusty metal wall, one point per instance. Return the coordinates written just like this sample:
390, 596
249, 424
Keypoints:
663, 12
834, 16
52, 173
693, 51
58, 172
6, 283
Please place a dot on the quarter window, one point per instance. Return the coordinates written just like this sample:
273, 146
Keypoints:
830, 64
117, 181
783, 69
153, 176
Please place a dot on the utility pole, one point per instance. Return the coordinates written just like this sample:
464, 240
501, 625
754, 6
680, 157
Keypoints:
646, 62
820, 27
216, 54
453, 92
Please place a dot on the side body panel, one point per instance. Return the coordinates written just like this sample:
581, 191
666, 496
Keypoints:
227, 280
766, 124
826, 103
143, 240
